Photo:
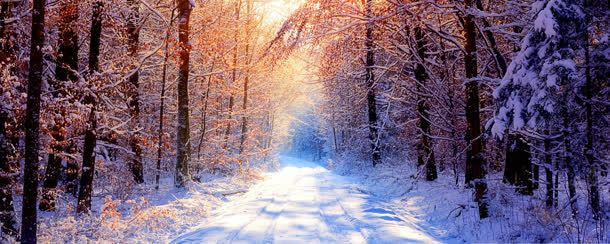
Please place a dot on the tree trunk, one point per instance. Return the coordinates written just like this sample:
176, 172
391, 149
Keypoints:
233, 74
518, 167
589, 148
370, 84
71, 170
244, 107
32, 126
548, 162
497, 55
427, 153
133, 33
7, 49
162, 98
334, 131
184, 49
204, 116
66, 66
7, 211
536, 176
446, 72
88, 169
475, 172
568, 162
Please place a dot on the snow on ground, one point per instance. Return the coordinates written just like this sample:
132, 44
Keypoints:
346, 201
306, 203
146, 216
448, 209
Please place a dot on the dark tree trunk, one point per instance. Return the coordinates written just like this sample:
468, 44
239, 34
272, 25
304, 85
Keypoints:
548, 162
446, 72
184, 147
32, 126
475, 172
370, 85
556, 185
536, 176
5, 13
518, 167
334, 132
71, 170
7, 169
589, 148
7, 50
244, 107
568, 162
67, 58
88, 169
491, 41
427, 153
65, 69
162, 98
133, 33
204, 117
7, 211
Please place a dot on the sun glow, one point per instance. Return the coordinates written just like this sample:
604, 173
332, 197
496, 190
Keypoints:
278, 10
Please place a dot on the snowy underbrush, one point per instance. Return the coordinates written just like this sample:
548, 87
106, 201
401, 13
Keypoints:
447, 209
147, 215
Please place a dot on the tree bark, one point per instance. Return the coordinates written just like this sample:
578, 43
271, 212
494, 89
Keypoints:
66, 66
32, 125
133, 34
548, 162
568, 162
489, 36
427, 153
7, 210
244, 107
370, 85
184, 147
475, 172
7, 169
88, 169
519, 165
233, 74
204, 117
162, 98
589, 148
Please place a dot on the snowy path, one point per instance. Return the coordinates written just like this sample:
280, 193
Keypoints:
305, 203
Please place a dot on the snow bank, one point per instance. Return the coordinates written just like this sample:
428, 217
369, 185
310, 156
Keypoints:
147, 216
448, 210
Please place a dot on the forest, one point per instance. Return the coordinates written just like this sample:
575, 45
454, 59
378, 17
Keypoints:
304, 121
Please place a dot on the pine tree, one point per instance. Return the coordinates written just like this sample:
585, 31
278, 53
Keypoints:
544, 81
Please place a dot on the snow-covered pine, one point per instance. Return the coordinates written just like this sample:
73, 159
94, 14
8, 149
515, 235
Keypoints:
543, 74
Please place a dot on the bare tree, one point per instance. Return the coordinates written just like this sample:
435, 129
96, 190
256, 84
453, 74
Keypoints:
184, 144
88, 169
32, 126
475, 173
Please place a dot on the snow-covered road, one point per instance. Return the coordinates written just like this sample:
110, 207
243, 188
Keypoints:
306, 203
